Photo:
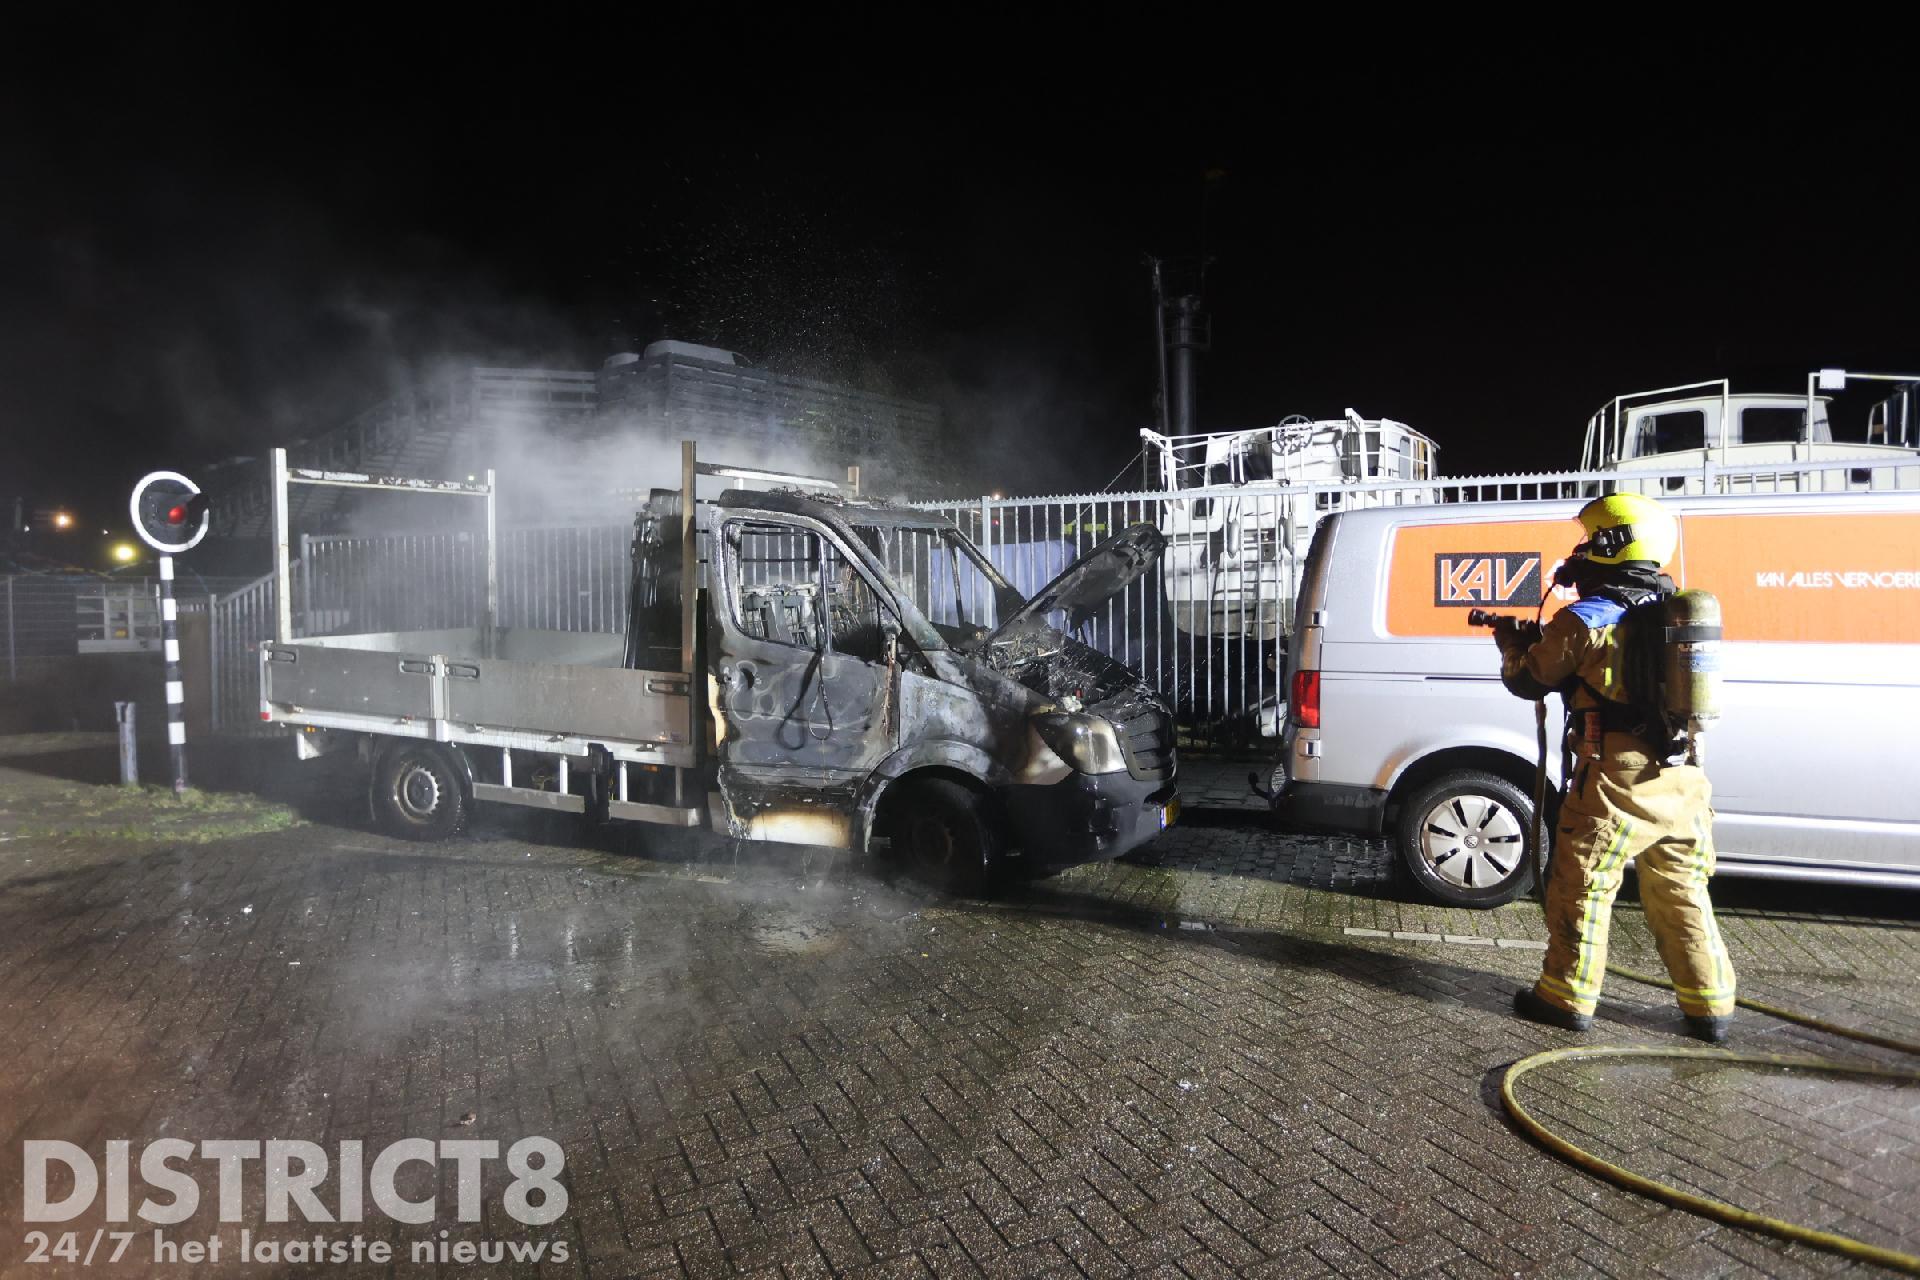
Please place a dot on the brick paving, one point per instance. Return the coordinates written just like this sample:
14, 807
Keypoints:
783, 1062
1220, 782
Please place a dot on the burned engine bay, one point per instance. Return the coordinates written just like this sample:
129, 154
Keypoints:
1068, 673
1048, 659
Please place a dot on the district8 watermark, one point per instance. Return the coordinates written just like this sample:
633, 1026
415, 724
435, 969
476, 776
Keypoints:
270, 1184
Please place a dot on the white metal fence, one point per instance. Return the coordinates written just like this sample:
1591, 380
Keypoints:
239, 622
45, 615
553, 579
1206, 628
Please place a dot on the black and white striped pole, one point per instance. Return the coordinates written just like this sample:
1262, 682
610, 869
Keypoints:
170, 515
176, 694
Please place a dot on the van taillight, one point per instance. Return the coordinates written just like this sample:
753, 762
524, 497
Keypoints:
1304, 705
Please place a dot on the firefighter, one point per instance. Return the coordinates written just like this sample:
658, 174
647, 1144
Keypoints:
1624, 798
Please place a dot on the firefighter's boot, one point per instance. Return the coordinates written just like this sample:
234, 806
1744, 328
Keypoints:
1528, 1004
1712, 1030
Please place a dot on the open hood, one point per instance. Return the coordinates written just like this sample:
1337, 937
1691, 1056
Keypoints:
1089, 582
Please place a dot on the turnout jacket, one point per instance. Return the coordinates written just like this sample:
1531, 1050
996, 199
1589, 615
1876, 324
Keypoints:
1579, 654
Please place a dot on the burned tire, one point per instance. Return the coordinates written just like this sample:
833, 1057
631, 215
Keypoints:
950, 836
417, 794
1464, 838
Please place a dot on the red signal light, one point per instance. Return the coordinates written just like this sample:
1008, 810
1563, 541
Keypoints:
169, 512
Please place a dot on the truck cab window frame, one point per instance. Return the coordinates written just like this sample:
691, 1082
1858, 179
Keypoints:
780, 572
955, 589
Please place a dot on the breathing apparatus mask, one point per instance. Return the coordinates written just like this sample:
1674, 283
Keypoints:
1576, 571
1631, 582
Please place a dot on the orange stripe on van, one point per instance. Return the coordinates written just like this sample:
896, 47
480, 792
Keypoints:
1822, 577
1818, 578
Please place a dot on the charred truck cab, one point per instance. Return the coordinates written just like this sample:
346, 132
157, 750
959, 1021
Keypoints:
873, 674
867, 674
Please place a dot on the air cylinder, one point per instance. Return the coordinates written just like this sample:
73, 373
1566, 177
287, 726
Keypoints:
1691, 659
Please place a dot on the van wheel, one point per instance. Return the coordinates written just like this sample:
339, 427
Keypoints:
950, 835
1464, 839
416, 793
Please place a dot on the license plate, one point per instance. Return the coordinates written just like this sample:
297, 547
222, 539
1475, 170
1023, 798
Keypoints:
1169, 813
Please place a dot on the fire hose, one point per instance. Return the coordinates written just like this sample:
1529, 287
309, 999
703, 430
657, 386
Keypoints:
1653, 1188
1706, 1207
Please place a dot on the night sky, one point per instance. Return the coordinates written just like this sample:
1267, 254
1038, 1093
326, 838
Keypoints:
208, 250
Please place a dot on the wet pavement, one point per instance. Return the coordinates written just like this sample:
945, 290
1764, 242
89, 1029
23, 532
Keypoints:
1242, 1052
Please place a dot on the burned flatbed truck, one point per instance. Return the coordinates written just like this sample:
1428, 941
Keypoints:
844, 670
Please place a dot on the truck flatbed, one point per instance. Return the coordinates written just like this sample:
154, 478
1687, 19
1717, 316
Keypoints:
560, 694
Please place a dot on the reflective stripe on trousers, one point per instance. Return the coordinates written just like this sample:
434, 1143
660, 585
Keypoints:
1627, 807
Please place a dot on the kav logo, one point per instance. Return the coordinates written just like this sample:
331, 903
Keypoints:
1465, 579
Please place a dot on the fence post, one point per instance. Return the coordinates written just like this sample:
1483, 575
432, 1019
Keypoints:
213, 660
123, 714
493, 569
13, 671
306, 584
282, 582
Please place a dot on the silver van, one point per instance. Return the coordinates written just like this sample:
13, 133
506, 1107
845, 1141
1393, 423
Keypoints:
1397, 722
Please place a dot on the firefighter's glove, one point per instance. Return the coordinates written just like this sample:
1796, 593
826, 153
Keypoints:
1514, 635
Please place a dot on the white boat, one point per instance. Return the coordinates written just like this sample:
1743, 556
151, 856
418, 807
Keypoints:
1742, 441
1240, 523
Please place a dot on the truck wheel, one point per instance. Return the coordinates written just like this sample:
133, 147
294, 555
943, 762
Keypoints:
1464, 839
950, 834
416, 793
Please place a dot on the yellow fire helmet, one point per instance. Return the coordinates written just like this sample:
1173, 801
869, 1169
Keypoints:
1627, 526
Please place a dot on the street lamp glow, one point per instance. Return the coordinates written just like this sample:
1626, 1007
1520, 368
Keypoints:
124, 552
61, 520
